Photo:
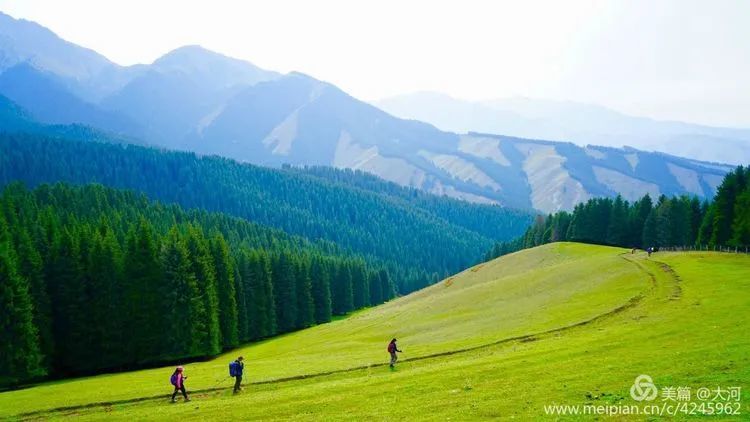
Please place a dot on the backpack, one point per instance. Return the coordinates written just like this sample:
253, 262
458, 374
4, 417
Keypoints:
173, 379
233, 369
391, 347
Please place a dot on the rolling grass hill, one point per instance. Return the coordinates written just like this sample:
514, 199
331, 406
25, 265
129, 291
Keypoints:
564, 323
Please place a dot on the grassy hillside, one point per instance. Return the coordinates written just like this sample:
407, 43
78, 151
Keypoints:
562, 323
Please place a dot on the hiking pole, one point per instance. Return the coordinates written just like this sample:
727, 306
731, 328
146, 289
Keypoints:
220, 382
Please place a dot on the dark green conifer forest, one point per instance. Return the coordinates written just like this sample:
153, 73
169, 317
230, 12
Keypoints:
679, 222
94, 279
418, 237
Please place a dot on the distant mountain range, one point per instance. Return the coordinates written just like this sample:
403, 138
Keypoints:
582, 124
195, 99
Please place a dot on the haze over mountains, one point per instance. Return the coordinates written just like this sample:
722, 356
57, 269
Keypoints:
198, 100
582, 124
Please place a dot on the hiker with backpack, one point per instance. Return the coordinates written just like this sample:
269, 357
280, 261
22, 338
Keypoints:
392, 349
235, 370
178, 381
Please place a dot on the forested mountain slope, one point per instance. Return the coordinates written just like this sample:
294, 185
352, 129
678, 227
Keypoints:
98, 279
676, 222
435, 237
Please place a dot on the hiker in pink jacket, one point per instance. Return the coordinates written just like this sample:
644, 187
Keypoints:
178, 380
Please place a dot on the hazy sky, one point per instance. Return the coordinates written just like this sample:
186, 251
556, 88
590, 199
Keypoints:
676, 59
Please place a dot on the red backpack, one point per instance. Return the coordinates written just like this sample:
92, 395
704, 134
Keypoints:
391, 347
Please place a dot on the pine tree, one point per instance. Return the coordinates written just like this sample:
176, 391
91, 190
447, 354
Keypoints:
269, 324
705, 232
560, 225
321, 290
204, 306
697, 210
360, 288
741, 223
225, 286
141, 300
20, 358
618, 217
239, 294
259, 297
680, 222
649, 238
285, 293
247, 263
341, 291
106, 300
32, 269
303, 288
178, 295
641, 211
376, 289
724, 202
386, 285
72, 327
663, 222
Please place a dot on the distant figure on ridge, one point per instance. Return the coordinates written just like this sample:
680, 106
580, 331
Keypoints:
392, 349
178, 380
235, 370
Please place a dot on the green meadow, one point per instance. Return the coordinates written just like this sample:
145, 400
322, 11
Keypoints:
561, 324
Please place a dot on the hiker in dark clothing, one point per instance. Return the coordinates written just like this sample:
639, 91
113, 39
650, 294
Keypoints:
178, 380
392, 349
237, 367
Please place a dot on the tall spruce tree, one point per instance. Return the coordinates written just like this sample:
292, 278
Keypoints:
106, 306
72, 325
663, 222
724, 202
341, 289
697, 210
680, 222
225, 287
649, 236
207, 339
618, 219
741, 223
639, 213
268, 324
32, 269
321, 290
20, 358
386, 285
376, 288
303, 288
239, 294
259, 297
705, 232
285, 292
247, 262
140, 288
179, 289
360, 287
